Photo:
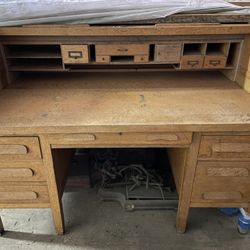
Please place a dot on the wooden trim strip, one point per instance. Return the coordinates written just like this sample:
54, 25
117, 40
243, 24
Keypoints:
116, 31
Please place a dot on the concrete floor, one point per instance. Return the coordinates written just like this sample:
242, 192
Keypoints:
92, 224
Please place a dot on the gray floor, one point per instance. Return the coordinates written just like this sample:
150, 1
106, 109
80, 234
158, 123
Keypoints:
92, 224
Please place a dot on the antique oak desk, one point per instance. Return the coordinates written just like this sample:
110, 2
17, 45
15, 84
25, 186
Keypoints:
180, 87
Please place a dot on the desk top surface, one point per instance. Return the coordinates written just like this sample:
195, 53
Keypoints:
76, 102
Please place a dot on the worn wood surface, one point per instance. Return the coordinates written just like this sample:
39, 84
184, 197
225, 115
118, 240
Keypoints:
22, 171
225, 148
187, 180
19, 148
110, 140
177, 159
53, 189
218, 182
124, 102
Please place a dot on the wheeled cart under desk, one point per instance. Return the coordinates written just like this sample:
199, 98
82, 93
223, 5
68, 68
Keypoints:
201, 117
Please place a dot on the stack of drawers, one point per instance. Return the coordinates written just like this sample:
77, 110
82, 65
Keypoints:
223, 171
22, 173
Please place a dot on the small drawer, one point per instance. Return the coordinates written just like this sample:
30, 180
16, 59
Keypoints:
75, 54
22, 171
24, 193
224, 147
215, 62
192, 62
122, 53
222, 182
122, 49
168, 52
123, 139
19, 148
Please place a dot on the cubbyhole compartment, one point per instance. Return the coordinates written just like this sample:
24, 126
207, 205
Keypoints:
32, 51
220, 49
151, 52
92, 54
233, 54
35, 64
194, 49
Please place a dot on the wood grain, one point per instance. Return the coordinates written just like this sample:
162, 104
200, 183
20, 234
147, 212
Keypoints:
121, 102
15, 194
225, 147
187, 181
19, 148
20, 171
220, 181
112, 31
120, 140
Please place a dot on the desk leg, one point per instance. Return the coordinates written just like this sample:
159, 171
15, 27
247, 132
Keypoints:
1, 227
55, 199
187, 184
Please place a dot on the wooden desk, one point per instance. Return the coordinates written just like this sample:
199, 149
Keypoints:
201, 118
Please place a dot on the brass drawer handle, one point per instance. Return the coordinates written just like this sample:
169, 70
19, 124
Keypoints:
75, 54
215, 62
193, 63
16, 172
13, 149
18, 195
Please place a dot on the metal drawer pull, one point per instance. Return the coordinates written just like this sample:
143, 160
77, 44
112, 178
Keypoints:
16, 172
215, 62
193, 63
13, 150
231, 148
222, 196
26, 195
75, 54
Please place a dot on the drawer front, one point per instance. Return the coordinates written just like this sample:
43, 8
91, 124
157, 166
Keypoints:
215, 62
222, 182
224, 147
75, 54
23, 193
21, 171
168, 53
19, 148
128, 139
122, 49
192, 62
